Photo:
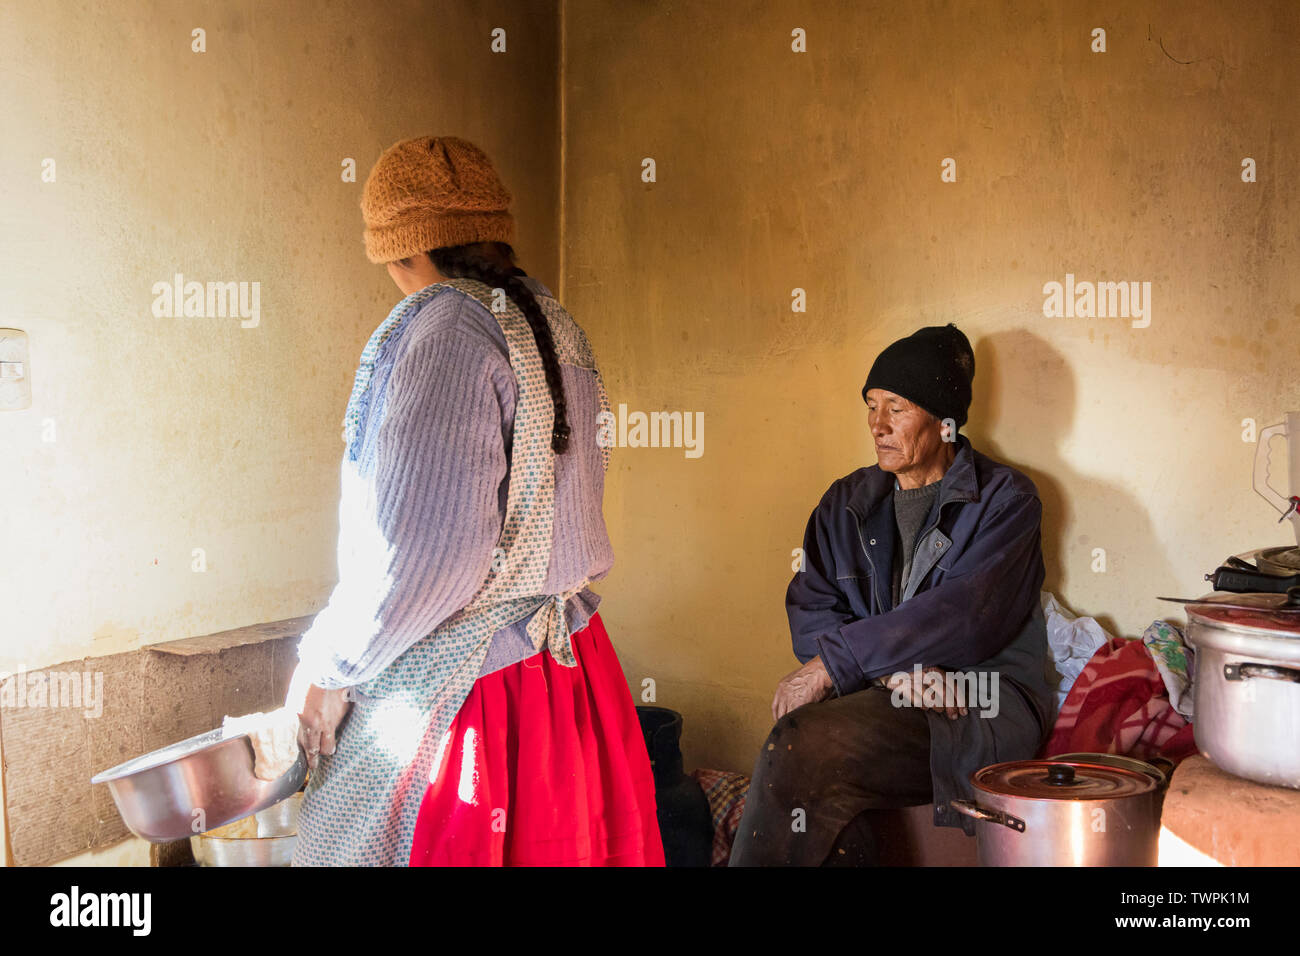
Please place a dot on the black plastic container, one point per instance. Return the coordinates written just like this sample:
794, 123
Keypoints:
685, 821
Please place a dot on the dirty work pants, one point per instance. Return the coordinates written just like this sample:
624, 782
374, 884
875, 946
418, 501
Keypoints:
837, 761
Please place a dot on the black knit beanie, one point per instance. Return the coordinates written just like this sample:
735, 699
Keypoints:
933, 367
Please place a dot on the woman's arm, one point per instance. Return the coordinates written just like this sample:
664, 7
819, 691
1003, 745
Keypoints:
421, 539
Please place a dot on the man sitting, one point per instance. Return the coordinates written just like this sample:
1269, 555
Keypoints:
921, 579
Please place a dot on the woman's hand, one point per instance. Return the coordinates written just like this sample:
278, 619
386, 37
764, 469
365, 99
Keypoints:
807, 685
320, 711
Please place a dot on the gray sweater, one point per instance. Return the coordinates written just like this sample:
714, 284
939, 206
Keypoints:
911, 507
421, 511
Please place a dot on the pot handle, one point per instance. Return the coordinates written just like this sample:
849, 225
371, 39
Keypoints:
969, 809
1164, 765
1262, 462
1246, 670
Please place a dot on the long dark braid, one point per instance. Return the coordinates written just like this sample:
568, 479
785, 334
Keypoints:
493, 263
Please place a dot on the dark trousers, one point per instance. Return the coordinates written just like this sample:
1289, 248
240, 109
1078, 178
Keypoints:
823, 770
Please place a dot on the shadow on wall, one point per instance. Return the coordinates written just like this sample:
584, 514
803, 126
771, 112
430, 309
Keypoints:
1023, 384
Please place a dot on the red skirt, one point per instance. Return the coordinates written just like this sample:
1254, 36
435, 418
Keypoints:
545, 766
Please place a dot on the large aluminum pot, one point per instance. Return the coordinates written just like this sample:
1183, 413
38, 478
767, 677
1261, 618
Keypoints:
1247, 684
1064, 813
198, 784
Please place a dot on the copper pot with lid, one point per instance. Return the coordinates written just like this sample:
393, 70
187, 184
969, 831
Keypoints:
1064, 813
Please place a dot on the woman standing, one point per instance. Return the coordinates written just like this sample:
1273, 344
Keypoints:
459, 699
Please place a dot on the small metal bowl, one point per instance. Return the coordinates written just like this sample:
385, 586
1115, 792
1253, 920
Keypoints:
161, 794
277, 829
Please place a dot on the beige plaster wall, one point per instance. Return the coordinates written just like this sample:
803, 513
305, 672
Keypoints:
820, 171
178, 434
775, 170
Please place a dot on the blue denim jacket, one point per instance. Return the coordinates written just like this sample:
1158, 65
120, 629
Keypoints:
971, 604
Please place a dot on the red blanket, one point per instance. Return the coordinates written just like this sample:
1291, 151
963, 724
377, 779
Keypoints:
1120, 705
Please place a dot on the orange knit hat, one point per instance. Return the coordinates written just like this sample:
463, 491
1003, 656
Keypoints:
433, 191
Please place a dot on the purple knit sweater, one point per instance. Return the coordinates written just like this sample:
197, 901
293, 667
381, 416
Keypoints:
421, 510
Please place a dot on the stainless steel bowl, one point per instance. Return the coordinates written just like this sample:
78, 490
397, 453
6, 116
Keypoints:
195, 785
277, 829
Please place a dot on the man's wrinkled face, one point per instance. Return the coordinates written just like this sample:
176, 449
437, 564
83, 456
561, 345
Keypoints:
906, 435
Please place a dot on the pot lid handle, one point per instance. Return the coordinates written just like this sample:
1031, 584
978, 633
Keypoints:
1060, 775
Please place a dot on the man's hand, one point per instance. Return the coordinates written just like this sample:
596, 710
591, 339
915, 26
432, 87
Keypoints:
320, 711
953, 701
807, 685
